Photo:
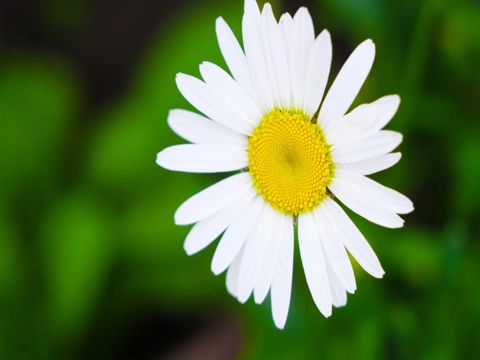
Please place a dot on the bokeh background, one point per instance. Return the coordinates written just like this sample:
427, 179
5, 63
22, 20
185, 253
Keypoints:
91, 264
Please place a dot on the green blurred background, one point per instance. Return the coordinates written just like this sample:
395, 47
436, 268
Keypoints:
91, 264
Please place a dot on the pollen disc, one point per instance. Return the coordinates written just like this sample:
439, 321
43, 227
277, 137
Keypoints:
290, 161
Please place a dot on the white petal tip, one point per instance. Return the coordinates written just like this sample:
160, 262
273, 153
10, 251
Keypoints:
409, 207
302, 9
178, 218
326, 312
216, 268
257, 298
325, 33
251, 5
369, 42
398, 225
395, 97
162, 160
189, 251
400, 138
242, 299
285, 18
180, 80
267, 7
369, 47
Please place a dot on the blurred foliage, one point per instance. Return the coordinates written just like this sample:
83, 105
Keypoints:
87, 240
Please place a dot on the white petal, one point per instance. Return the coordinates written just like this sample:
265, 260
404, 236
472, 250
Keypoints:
240, 101
253, 250
355, 198
373, 165
369, 147
347, 84
204, 232
211, 103
232, 274
387, 107
314, 263
339, 294
356, 125
388, 198
362, 116
202, 158
375, 115
251, 9
282, 279
364, 120
214, 198
318, 69
276, 57
265, 22
286, 29
235, 236
335, 252
280, 226
233, 55
255, 53
301, 41
353, 240
199, 130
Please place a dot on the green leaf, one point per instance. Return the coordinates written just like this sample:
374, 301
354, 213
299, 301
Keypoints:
38, 100
76, 250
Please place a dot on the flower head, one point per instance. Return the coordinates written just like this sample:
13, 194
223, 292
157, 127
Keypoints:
296, 150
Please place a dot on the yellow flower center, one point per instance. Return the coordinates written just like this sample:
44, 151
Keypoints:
290, 161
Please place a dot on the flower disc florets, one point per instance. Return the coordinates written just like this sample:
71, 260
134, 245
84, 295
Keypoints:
290, 161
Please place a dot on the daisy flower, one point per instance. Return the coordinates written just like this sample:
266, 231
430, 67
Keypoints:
295, 152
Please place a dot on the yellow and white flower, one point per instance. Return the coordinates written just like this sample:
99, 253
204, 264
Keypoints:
294, 153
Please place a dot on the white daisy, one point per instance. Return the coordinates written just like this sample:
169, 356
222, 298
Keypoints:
294, 157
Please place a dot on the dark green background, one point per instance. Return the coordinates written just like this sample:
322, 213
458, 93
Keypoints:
91, 264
